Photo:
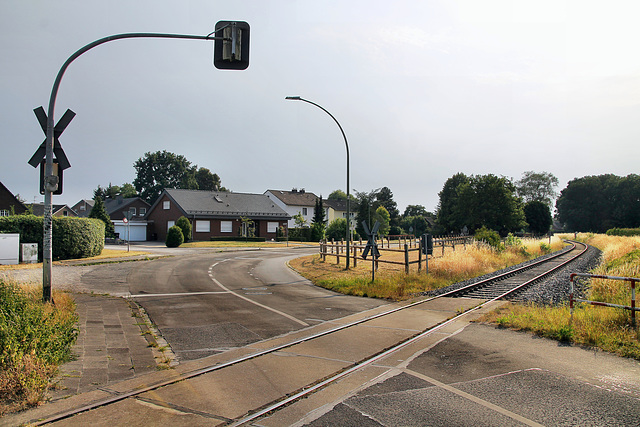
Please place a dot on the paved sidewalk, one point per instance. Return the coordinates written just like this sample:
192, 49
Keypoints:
111, 346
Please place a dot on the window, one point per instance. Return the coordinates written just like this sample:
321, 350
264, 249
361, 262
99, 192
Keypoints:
226, 226
170, 223
166, 204
4, 212
203, 227
132, 211
304, 211
143, 211
272, 227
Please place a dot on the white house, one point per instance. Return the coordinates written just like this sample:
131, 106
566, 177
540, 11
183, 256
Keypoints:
295, 202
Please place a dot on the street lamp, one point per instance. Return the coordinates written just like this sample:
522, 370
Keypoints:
297, 98
231, 52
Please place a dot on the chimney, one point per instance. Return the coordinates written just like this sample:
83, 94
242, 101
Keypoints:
294, 190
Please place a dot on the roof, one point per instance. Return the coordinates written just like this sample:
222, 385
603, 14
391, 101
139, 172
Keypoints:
38, 209
336, 205
224, 204
20, 207
113, 205
295, 197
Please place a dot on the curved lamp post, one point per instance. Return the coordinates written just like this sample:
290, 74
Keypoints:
51, 181
297, 98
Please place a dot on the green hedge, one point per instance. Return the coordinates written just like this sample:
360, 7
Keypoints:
238, 239
72, 237
623, 232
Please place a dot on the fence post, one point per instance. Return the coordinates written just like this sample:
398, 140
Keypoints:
406, 258
633, 303
355, 256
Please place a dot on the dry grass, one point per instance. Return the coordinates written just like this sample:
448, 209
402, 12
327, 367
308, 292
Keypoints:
606, 328
391, 282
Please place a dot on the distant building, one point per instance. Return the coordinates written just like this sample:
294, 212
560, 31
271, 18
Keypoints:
56, 210
83, 207
295, 202
215, 213
9, 204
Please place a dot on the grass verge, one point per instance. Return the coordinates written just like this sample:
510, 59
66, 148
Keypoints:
392, 283
603, 327
35, 338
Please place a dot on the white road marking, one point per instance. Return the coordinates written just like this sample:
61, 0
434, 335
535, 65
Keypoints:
288, 316
177, 294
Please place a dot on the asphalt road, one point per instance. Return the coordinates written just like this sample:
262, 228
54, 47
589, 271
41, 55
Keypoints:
203, 304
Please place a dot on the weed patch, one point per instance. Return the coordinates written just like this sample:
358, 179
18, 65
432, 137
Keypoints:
34, 339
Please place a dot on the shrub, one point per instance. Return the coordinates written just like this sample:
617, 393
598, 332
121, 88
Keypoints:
35, 337
317, 231
337, 229
72, 237
623, 232
185, 226
490, 237
174, 237
300, 234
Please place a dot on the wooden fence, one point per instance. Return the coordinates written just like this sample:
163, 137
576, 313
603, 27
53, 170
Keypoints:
407, 244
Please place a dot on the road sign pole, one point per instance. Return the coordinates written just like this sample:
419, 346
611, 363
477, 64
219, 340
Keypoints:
50, 184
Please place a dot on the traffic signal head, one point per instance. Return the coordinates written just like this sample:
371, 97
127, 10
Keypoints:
231, 47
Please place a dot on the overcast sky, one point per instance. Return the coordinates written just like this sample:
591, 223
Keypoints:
422, 89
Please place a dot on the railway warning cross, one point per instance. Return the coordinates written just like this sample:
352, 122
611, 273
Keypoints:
62, 124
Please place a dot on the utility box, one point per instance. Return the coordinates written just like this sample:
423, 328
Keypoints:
29, 253
9, 248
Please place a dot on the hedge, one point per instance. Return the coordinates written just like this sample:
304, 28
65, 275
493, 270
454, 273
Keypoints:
72, 237
623, 232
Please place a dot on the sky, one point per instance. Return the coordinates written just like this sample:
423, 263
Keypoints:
423, 90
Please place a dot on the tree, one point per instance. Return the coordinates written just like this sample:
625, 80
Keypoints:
318, 212
207, 180
185, 226
538, 216
449, 198
537, 186
415, 210
382, 216
336, 229
317, 223
416, 225
337, 195
126, 190
160, 170
384, 197
598, 203
366, 210
98, 211
490, 201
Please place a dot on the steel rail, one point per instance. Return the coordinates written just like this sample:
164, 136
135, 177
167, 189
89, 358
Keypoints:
212, 368
395, 348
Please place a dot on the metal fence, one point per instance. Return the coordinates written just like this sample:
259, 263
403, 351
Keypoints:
632, 307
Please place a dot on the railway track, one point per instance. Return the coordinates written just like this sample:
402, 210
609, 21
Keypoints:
373, 337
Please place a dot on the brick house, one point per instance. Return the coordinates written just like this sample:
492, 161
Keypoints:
215, 214
116, 208
56, 210
9, 203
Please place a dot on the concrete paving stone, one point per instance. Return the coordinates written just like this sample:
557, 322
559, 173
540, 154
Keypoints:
233, 391
353, 344
117, 350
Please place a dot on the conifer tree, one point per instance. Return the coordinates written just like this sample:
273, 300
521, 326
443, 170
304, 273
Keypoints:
99, 212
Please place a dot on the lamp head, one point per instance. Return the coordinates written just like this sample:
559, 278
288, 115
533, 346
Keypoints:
294, 98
